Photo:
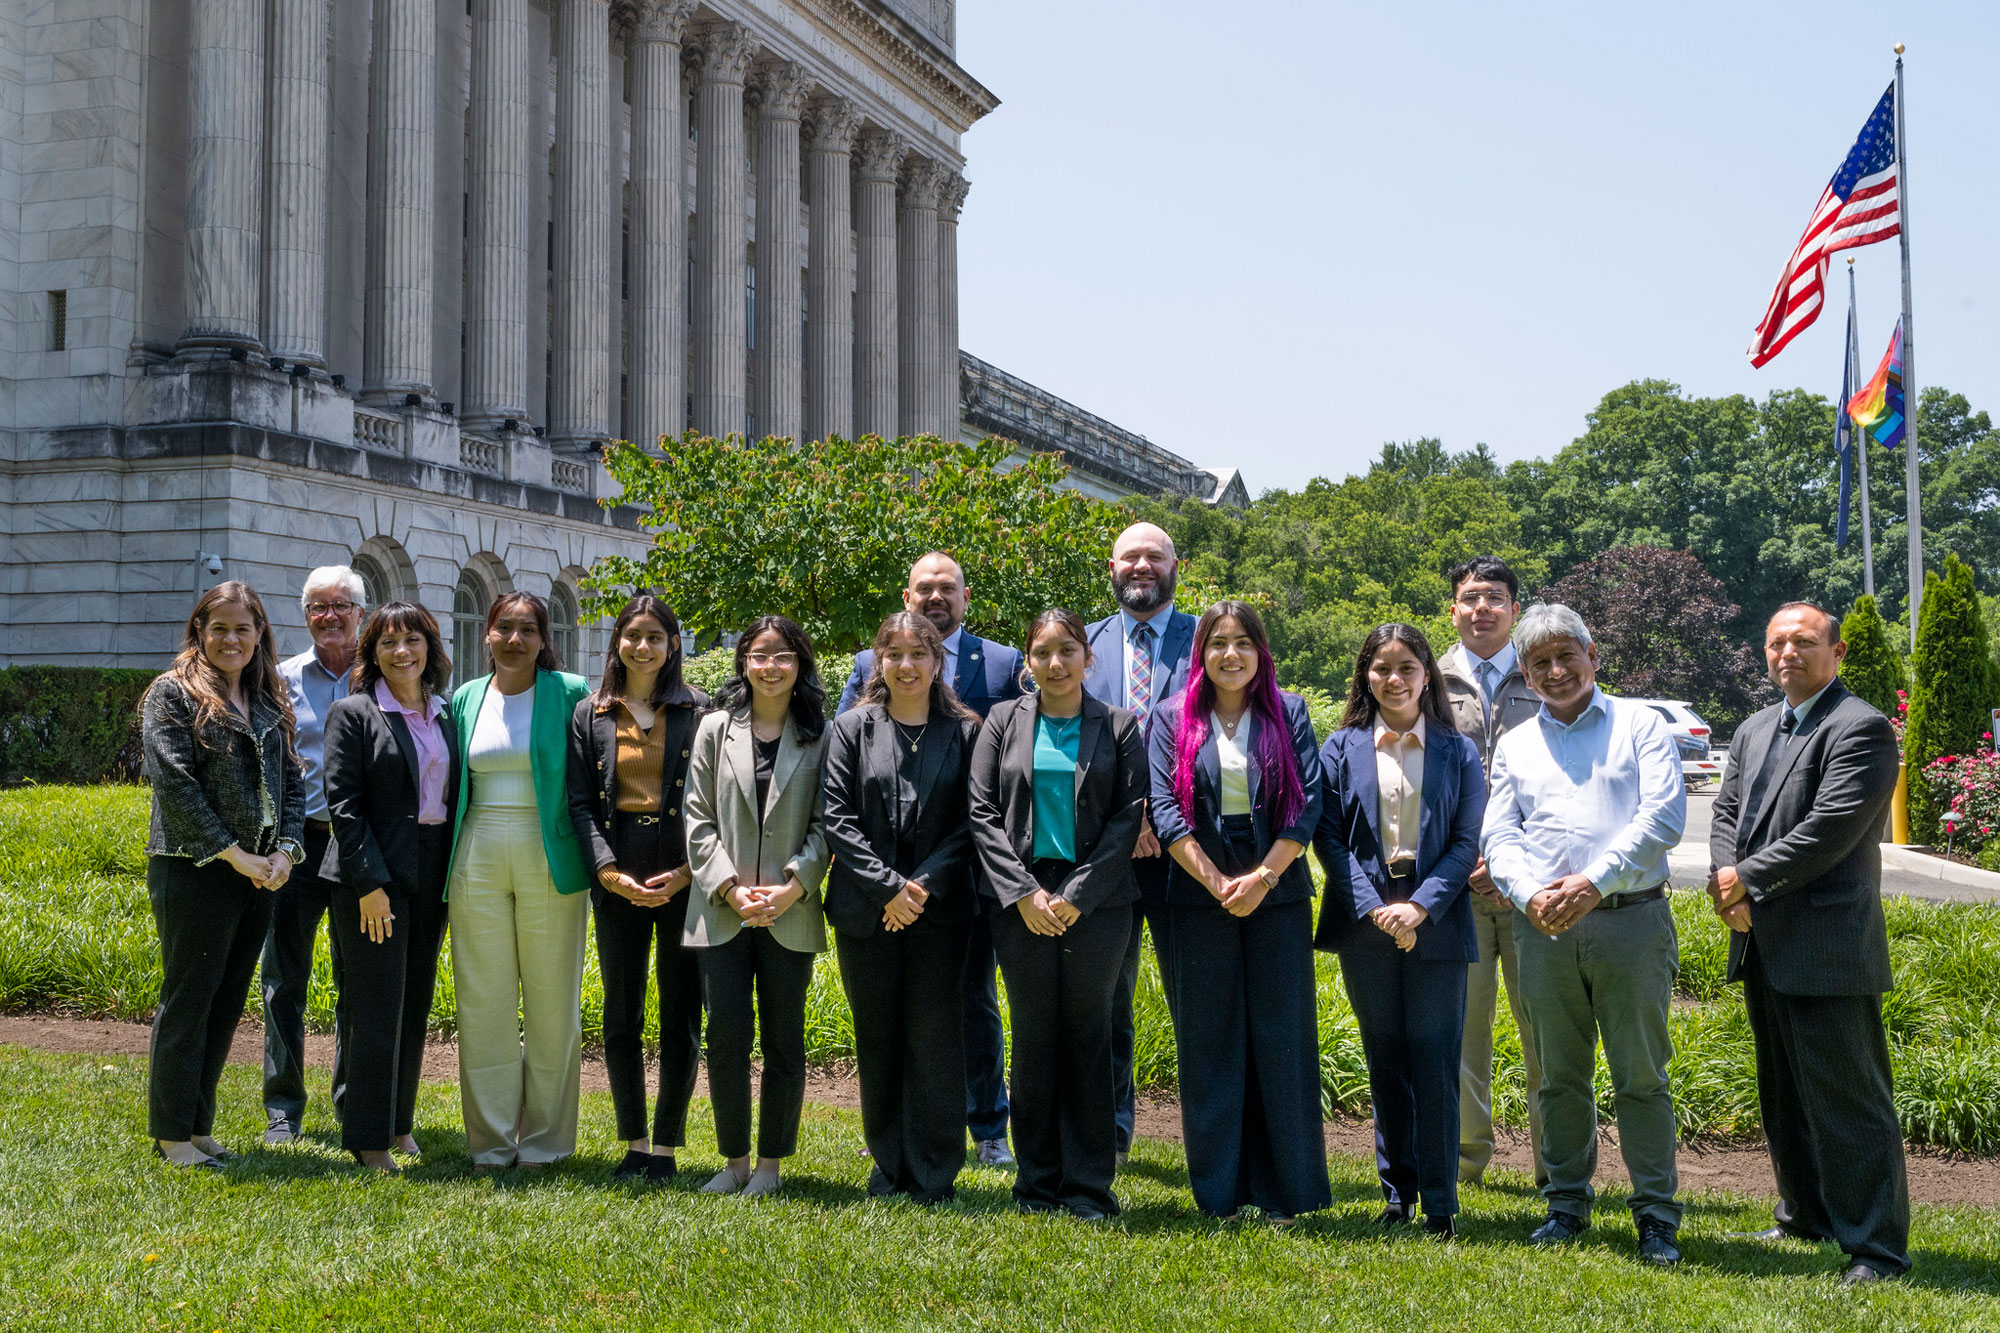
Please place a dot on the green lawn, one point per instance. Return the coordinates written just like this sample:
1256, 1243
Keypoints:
95, 1234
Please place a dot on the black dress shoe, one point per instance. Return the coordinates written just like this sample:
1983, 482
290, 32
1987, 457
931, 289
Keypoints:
660, 1168
1559, 1228
1859, 1274
1396, 1215
633, 1166
1659, 1242
1441, 1228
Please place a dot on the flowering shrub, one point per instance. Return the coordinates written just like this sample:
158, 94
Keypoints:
1901, 717
1968, 785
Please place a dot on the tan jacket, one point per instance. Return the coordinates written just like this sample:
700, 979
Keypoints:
725, 841
1484, 724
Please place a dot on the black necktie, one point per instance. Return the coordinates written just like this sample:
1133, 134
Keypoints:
1772, 758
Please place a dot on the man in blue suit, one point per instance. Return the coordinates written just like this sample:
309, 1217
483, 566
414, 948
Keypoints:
1138, 661
983, 673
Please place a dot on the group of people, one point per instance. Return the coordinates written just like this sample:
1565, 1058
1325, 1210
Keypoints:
1036, 811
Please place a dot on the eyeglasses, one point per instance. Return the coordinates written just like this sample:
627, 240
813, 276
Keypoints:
1496, 600
329, 608
771, 659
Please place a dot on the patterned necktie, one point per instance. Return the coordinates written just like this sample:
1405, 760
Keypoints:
1489, 679
1139, 684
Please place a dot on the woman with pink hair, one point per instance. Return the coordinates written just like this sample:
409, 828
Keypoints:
1235, 799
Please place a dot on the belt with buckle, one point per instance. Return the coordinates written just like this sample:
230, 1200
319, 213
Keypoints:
643, 821
320, 826
1403, 869
1613, 901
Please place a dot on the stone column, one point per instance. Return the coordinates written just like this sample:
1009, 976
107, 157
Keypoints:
402, 171
659, 225
779, 406
580, 316
918, 332
496, 297
721, 323
295, 281
830, 271
875, 400
224, 176
949, 204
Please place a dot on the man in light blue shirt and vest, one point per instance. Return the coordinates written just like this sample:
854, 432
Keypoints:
1585, 804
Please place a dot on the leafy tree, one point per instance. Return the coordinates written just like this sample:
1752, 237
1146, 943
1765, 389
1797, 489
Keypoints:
1657, 616
825, 533
1952, 689
1872, 668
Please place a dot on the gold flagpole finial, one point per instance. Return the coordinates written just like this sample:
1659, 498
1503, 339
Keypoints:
1899, 48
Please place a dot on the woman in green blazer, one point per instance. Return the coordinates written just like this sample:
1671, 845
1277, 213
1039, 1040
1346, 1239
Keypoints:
516, 898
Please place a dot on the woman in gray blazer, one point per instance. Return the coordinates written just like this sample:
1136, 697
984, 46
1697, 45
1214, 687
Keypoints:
755, 845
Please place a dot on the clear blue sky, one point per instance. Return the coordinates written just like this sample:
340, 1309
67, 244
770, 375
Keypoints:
1275, 236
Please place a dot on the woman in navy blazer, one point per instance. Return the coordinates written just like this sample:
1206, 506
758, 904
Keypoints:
1397, 854
1235, 799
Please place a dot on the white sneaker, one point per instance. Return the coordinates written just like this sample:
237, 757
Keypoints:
993, 1152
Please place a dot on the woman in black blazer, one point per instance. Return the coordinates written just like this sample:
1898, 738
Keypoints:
1235, 799
392, 775
900, 897
1398, 837
1058, 797
628, 760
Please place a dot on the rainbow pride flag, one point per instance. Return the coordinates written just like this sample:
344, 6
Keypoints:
1877, 407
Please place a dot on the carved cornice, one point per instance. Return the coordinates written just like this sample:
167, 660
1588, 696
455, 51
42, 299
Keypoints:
831, 124
954, 90
726, 51
661, 20
923, 183
877, 153
780, 88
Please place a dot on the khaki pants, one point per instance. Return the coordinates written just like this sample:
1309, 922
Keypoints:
1496, 924
517, 968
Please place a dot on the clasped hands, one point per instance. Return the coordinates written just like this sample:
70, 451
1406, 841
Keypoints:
1562, 904
902, 911
266, 872
655, 892
1399, 921
1046, 914
1240, 895
1731, 897
762, 904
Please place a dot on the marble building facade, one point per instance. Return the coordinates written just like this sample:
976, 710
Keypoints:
295, 282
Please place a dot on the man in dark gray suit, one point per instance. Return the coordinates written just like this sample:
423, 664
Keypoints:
1797, 874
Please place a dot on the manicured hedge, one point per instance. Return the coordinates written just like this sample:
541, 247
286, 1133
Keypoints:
70, 724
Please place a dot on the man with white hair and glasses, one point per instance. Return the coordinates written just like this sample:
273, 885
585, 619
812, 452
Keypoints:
1585, 803
333, 602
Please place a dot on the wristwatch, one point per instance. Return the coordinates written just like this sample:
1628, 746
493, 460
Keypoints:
1270, 880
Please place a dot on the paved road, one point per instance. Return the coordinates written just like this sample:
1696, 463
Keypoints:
1689, 863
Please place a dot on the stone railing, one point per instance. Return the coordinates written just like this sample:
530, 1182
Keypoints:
378, 430
566, 474
477, 455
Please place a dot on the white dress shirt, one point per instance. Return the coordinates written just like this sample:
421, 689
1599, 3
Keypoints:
950, 667
1601, 797
1502, 662
1232, 757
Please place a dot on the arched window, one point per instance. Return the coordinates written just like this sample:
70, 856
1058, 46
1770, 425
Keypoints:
376, 589
468, 628
562, 625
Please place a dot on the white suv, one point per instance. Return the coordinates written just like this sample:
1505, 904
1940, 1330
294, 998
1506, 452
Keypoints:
1691, 735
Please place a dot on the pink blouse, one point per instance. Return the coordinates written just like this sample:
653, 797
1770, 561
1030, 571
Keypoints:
433, 760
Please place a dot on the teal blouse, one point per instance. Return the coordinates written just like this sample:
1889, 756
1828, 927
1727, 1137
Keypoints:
1057, 740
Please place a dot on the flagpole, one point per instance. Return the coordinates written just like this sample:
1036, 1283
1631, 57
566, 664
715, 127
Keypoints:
1854, 359
1912, 480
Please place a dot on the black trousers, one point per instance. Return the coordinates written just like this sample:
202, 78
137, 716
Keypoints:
1060, 993
754, 964
1150, 914
985, 1036
1411, 1012
904, 988
212, 923
286, 975
633, 942
1829, 1112
386, 1007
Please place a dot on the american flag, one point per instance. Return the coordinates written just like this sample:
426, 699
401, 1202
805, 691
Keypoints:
1858, 208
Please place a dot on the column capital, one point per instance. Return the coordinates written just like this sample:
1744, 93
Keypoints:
923, 182
780, 88
726, 51
878, 153
659, 20
832, 124
951, 197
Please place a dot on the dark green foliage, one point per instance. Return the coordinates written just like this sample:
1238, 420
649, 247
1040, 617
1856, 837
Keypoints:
1872, 668
70, 724
1952, 690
